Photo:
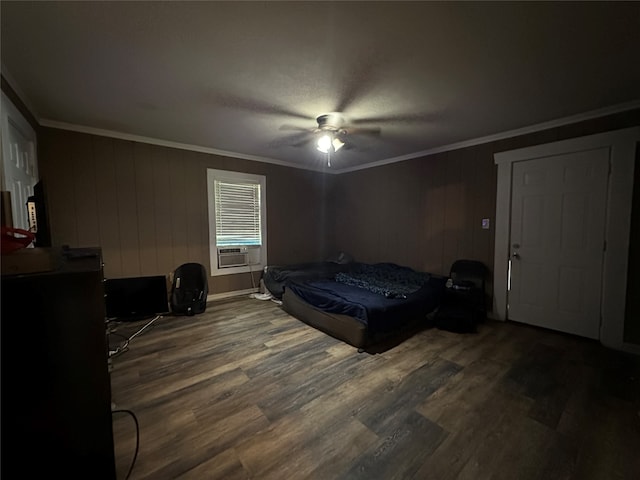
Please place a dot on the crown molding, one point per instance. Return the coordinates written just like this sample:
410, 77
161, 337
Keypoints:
622, 107
424, 153
167, 143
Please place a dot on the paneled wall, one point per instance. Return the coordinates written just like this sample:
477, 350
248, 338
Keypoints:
424, 213
427, 212
146, 205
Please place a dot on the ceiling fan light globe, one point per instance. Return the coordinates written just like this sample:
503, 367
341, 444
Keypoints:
337, 144
324, 143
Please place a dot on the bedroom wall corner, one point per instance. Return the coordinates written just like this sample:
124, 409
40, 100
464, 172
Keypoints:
424, 213
427, 212
146, 205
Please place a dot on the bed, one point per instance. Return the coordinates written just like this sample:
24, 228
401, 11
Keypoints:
275, 277
360, 304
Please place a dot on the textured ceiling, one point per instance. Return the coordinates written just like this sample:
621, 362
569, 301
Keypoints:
229, 75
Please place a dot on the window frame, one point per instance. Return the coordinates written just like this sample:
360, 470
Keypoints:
235, 177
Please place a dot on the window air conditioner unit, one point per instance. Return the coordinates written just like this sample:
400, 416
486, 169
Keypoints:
233, 257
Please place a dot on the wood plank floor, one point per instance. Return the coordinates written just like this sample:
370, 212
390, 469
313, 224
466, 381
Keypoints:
247, 391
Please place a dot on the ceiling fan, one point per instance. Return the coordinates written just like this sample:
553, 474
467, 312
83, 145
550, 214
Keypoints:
331, 134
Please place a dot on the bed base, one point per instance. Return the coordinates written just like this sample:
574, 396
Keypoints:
348, 329
342, 327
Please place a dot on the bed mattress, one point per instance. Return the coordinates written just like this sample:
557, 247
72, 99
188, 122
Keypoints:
277, 277
378, 313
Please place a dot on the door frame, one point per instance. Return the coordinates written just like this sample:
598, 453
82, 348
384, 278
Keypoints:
622, 146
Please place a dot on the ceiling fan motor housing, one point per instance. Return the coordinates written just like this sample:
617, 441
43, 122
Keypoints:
331, 122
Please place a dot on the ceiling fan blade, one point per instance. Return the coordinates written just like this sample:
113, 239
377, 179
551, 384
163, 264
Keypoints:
296, 128
352, 144
360, 81
375, 131
254, 105
399, 118
294, 140
302, 142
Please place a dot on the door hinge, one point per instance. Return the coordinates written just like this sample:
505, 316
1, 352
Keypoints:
610, 168
604, 247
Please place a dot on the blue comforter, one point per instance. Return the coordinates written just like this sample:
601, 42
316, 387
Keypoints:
379, 312
277, 277
388, 279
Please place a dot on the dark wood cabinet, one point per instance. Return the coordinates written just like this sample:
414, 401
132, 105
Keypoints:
56, 393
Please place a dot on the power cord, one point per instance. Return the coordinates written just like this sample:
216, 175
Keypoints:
253, 282
125, 346
135, 454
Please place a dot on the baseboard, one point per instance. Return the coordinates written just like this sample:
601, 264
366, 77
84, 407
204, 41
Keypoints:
235, 293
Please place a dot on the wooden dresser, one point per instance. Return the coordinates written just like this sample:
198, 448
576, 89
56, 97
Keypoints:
56, 392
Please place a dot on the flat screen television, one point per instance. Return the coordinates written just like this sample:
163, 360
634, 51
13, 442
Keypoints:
135, 298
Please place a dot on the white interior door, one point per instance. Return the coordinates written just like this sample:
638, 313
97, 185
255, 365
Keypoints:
20, 171
558, 212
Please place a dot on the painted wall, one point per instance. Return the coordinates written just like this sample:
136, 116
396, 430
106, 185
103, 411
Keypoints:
146, 205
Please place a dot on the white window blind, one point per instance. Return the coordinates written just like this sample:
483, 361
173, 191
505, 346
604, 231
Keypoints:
237, 210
